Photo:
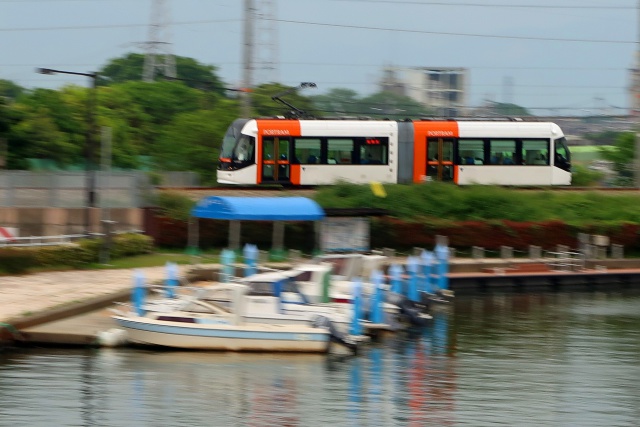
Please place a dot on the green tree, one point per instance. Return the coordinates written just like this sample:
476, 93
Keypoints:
192, 141
9, 89
145, 108
607, 137
263, 104
510, 110
337, 102
48, 124
192, 73
35, 135
622, 154
392, 106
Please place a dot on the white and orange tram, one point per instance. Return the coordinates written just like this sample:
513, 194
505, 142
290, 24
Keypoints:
324, 152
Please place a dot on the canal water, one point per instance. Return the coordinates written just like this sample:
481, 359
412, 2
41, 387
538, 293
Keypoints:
523, 360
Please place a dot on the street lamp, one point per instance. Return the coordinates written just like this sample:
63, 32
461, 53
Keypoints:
90, 146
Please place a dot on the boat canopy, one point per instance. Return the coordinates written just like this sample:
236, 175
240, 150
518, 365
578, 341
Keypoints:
258, 208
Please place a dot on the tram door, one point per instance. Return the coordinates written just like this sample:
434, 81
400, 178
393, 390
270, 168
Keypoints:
440, 159
275, 160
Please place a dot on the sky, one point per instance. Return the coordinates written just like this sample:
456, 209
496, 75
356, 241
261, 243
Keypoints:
550, 56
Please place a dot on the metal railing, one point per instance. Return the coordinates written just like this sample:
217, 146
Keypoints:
62, 239
565, 260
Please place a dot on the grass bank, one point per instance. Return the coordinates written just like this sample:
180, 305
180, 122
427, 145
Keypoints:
446, 201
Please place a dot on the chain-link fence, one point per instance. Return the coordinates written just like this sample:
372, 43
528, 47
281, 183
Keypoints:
70, 189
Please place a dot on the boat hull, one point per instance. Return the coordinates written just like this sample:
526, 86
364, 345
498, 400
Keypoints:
224, 337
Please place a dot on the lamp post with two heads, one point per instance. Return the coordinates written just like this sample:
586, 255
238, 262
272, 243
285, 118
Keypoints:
90, 168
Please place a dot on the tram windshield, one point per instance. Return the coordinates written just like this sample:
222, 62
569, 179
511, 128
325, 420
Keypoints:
231, 137
562, 154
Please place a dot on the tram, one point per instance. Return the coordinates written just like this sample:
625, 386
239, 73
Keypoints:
301, 152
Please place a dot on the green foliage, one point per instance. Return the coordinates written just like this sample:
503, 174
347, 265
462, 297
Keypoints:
16, 261
608, 137
80, 254
200, 134
582, 176
336, 102
264, 106
9, 89
131, 66
510, 110
73, 255
173, 205
345, 102
440, 201
125, 245
622, 154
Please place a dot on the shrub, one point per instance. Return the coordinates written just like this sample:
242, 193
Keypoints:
174, 205
71, 255
15, 261
131, 244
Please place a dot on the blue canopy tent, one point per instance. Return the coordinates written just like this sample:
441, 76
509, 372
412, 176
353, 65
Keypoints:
276, 209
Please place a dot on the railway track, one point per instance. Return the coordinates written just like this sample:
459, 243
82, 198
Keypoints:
197, 193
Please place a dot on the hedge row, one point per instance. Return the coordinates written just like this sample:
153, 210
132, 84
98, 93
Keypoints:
402, 234
76, 255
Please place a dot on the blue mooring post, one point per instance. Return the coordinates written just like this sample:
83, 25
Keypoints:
376, 314
395, 271
171, 281
250, 258
227, 258
412, 268
442, 253
356, 326
139, 291
426, 258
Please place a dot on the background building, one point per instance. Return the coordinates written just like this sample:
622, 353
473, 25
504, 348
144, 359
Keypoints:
441, 89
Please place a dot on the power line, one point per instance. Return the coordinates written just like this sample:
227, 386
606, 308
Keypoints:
489, 5
322, 24
441, 33
327, 64
93, 27
406, 2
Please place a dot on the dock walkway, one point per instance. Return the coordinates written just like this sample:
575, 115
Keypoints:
47, 305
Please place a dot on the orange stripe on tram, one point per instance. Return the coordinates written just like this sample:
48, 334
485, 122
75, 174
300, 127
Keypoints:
274, 129
422, 131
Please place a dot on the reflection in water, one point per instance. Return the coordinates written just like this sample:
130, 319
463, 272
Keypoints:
512, 360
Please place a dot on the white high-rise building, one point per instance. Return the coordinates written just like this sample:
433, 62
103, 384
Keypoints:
440, 88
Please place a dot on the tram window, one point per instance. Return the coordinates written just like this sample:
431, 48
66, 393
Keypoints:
536, 151
443, 146
307, 150
341, 150
503, 152
374, 151
268, 148
283, 148
471, 152
244, 149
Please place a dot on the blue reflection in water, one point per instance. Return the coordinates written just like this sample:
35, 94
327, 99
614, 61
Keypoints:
510, 360
355, 392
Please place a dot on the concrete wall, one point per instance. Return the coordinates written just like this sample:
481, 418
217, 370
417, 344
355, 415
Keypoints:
59, 221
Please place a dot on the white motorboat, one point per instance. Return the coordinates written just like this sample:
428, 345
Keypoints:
191, 323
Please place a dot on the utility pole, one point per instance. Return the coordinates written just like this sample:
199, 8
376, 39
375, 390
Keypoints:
635, 101
267, 43
90, 148
247, 79
158, 48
